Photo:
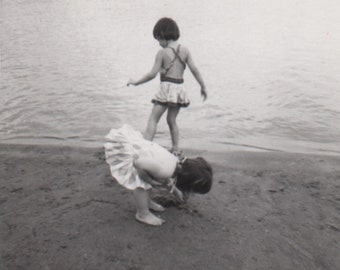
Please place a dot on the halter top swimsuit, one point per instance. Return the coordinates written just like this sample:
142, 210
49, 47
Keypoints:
164, 78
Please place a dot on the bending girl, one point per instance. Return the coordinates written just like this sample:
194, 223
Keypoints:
140, 165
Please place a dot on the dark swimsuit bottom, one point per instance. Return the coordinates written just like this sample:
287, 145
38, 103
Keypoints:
172, 80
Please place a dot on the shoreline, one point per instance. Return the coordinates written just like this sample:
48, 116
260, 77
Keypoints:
253, 145
61, 209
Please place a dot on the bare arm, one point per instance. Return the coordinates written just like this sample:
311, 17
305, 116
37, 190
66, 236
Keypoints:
146, 177
151, 166
150, 171
194, 70
152, 73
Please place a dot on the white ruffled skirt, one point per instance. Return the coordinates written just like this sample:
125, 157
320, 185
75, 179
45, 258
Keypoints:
171, 94
121, 147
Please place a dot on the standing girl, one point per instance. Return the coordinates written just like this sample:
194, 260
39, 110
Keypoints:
170, 62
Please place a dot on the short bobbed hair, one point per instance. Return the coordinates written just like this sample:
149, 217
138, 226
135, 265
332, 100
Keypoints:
167, 29
196, 176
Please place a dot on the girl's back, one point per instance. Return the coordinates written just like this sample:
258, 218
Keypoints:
172, 65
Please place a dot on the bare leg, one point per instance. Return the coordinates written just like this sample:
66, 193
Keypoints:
143, 165
171, 119
156, 114
143, 213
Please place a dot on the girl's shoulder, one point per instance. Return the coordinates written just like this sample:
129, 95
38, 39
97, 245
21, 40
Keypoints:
180, 47
167, 52
184, 52
162, 53
183, 48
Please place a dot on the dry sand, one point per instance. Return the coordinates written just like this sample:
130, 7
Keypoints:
61, 209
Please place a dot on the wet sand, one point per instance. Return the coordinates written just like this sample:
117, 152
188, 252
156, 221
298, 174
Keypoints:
61, 209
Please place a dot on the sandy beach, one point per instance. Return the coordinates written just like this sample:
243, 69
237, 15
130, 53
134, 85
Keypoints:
61, 209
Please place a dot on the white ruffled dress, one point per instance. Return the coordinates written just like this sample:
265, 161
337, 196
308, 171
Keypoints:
171, 94
123, 146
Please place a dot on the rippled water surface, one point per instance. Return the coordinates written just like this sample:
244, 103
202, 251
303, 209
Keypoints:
271, 67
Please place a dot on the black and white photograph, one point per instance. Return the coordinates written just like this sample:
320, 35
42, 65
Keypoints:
170, 135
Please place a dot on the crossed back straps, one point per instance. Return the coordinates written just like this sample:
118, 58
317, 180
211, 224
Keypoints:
176, 52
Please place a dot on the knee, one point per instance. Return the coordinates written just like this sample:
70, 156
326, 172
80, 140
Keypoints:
171, 122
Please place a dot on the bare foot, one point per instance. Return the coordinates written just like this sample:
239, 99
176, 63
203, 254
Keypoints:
150, 219
155, 206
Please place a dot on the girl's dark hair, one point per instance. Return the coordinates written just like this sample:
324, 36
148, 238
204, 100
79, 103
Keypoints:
196, 176
166, 28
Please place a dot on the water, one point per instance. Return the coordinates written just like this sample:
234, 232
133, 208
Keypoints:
271, 67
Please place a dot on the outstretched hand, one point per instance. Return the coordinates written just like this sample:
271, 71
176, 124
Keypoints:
204, 94
131, 82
